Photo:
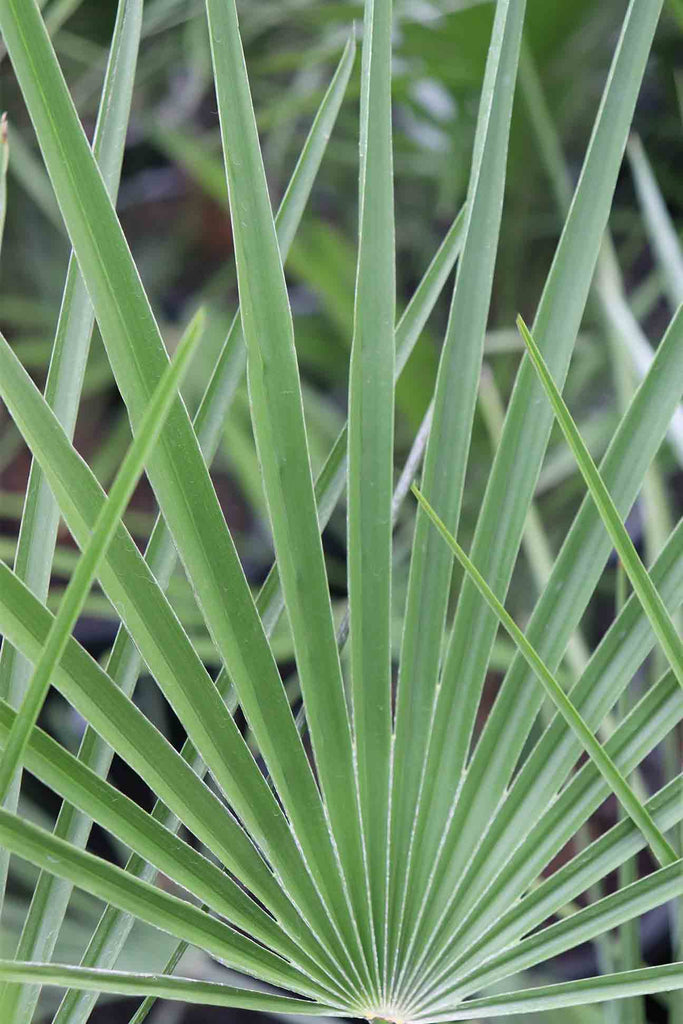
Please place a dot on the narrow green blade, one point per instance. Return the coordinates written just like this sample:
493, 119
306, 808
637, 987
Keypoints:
136, 740
648, 724
94, 551
4, 162
370, 463
332, 477
592, 864
114, 926
124, 663
454, 405
163, 643
512, 853
661, 231
502, 518
279, 431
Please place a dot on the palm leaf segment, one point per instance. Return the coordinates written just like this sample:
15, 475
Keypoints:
394, 874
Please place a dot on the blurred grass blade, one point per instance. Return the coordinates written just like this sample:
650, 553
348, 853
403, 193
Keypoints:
370, 461
661, 231
661, 848
418, 310
589, 991
87, 567
149, 903
454, 405
28, 172
148, 1003
280, 435
4, 161
204, 993
640, 579
626, 329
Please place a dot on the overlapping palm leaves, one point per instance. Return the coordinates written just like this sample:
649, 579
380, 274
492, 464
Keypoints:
394, 874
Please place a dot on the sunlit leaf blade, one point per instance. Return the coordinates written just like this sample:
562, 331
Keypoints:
662, 849
640, 578
205, 993
370, 460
